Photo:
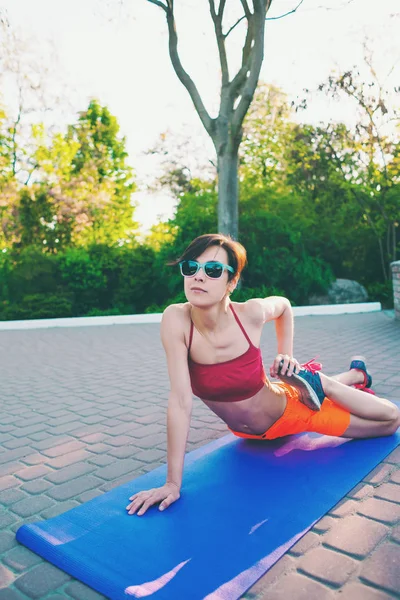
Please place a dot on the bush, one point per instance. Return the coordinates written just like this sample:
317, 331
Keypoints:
381, 292
38, 306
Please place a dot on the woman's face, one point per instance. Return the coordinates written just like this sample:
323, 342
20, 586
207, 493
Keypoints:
203, 291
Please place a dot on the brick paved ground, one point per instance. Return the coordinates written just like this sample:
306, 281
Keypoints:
83, 410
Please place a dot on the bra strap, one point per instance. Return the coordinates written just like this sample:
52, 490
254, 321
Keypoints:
190, 335
240, 325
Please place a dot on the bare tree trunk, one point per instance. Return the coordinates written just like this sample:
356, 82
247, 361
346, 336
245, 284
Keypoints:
228, 194
236, 96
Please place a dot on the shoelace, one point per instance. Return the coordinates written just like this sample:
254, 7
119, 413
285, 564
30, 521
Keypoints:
312, 365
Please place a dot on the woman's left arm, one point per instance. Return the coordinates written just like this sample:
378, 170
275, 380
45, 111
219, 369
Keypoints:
279, 309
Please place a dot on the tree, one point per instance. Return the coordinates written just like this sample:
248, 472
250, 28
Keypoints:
236, 95
85, 186
363, 159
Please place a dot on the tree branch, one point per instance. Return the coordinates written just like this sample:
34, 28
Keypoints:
290, 12
233, 26
247, 12
256, 55
221, 9
217, 20
158, 3
183, 76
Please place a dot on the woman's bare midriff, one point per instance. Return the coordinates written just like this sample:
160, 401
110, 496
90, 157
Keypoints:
253, 415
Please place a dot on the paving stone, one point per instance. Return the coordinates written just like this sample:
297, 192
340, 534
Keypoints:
328, 566
80, 591
14, 443
344, 507
32, 472
152, 441
31, 506
6, 576
101, 460
25, 521
52, 442
382, 568
388, 491
20, 558
127, 478
6, 519
307, 542
395, 476
63, 449
67, 427
59, 509
99, 448
70, 472
381, 510
295, 586
355, 535
361, 491
10, 468
37, 486
150, 456
89, 495
8, 482
395, 534
118, 468
120, 440
68, 459
7, 541
10, 594
11, 496
41, 580
379, 474
34, 459
147, 430
284, 565
123, 452
122, 428
394, 457
324, 524
94, 438
357, 591
68, 490
38, 437
81, 432
26, 431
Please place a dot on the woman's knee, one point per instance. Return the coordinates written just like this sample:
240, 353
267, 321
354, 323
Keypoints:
395, 421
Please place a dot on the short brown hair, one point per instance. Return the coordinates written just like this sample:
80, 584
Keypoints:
237, 256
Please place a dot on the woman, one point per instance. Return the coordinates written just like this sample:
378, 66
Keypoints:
212, 348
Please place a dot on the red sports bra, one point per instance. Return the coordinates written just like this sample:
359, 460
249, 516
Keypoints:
230, 381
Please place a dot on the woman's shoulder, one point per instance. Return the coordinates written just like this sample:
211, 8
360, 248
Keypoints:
179, 312
252, 310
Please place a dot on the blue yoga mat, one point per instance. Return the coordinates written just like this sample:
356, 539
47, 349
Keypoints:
243, 504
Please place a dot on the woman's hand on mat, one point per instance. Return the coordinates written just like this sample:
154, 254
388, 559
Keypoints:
165, 496
285, 365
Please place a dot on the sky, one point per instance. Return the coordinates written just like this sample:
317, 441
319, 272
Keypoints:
117, 51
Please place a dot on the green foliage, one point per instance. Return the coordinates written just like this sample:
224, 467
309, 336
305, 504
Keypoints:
38, 306
317, 202
78, 191
381, 292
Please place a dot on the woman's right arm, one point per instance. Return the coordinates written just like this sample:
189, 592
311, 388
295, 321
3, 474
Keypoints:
180, 397
178, 413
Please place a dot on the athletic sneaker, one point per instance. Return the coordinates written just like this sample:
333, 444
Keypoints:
359, 365
308, 383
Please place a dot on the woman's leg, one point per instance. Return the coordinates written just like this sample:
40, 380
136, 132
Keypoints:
366, 428
351, 377
359, 403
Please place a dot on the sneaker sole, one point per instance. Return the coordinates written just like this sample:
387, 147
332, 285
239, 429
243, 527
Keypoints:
307, 395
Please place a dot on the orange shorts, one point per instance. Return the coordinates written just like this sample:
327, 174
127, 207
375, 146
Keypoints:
332, 419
